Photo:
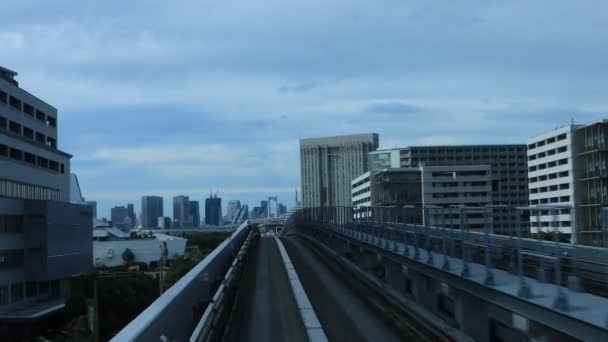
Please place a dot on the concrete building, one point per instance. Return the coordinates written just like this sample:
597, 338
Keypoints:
195, 214
44, 238
123, 217
213, 210
264, 206
151, 210
591, 187
181, 212
551, 174
109, 244
329, 164
508, 166
257, 213
406, 191
164, 222
273, 207
232, 209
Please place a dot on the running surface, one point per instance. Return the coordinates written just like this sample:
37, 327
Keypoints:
343, 315
266, 309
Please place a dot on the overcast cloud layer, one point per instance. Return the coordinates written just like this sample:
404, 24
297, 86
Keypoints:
179, 97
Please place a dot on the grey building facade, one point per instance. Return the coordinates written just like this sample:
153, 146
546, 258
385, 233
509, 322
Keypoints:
44, 239
328, 165
151, 210
195, 213
213, 210
508, 169
181, 212
123, 217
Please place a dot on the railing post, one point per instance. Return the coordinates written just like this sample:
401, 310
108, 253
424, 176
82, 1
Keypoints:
466, 272
445, 231
561, 298
489, 278
524, 291
429, 239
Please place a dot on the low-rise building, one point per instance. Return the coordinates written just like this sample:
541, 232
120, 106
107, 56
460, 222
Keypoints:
109, 244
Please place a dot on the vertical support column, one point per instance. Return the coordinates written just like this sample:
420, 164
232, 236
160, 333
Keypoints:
561, 298
466, 271
445, 232
429, 239
524, 290
489, 278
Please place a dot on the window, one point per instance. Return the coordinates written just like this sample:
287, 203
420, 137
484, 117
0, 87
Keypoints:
3, 150
28, 133
11, 259
28, 109
14, 127
40, 115
3, 122
51, 121
51, 142
11, 224
3, 97
16, 154
561, 137
15, 103
30, 158
41, 138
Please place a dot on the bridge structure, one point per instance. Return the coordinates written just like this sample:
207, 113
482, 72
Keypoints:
336, 275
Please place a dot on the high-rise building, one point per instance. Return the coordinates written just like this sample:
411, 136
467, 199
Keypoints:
242, 215
213, 210
568, 167
151, 210
44, 238
232, 209
123, 217
195, 213
181, 212
329, 164
552, 179
273, 207
164, 222
264, 206
508, 168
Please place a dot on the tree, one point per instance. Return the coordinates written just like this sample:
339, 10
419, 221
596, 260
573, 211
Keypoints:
128, 256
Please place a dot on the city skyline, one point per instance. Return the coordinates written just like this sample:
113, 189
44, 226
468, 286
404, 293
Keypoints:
132, 68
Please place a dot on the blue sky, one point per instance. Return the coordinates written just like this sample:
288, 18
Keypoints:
179, 97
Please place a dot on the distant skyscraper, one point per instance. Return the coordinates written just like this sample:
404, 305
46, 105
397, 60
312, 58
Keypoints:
328, 165
164, 222
151, 210
195, 213
264, 206
213, 210
181, 212
273, 207
123, 217
232, 209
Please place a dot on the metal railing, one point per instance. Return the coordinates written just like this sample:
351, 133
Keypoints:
175, 315
447, 231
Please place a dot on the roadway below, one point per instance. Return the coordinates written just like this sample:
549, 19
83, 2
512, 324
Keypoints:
344, 315
265, 309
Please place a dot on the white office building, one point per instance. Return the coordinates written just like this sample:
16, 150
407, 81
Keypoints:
551, 177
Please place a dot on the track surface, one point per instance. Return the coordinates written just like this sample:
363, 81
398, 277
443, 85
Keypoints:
266, 309
344, 316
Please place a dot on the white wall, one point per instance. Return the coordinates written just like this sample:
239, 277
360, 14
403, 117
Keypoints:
109, 253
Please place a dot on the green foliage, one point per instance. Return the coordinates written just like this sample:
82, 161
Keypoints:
181, 266
207, 242
121, 299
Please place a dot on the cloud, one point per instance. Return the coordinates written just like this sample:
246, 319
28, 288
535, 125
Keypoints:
217, 94
298, 88
393, 108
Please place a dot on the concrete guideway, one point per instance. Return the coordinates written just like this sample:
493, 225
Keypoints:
307, 312
345, 316
266, 309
